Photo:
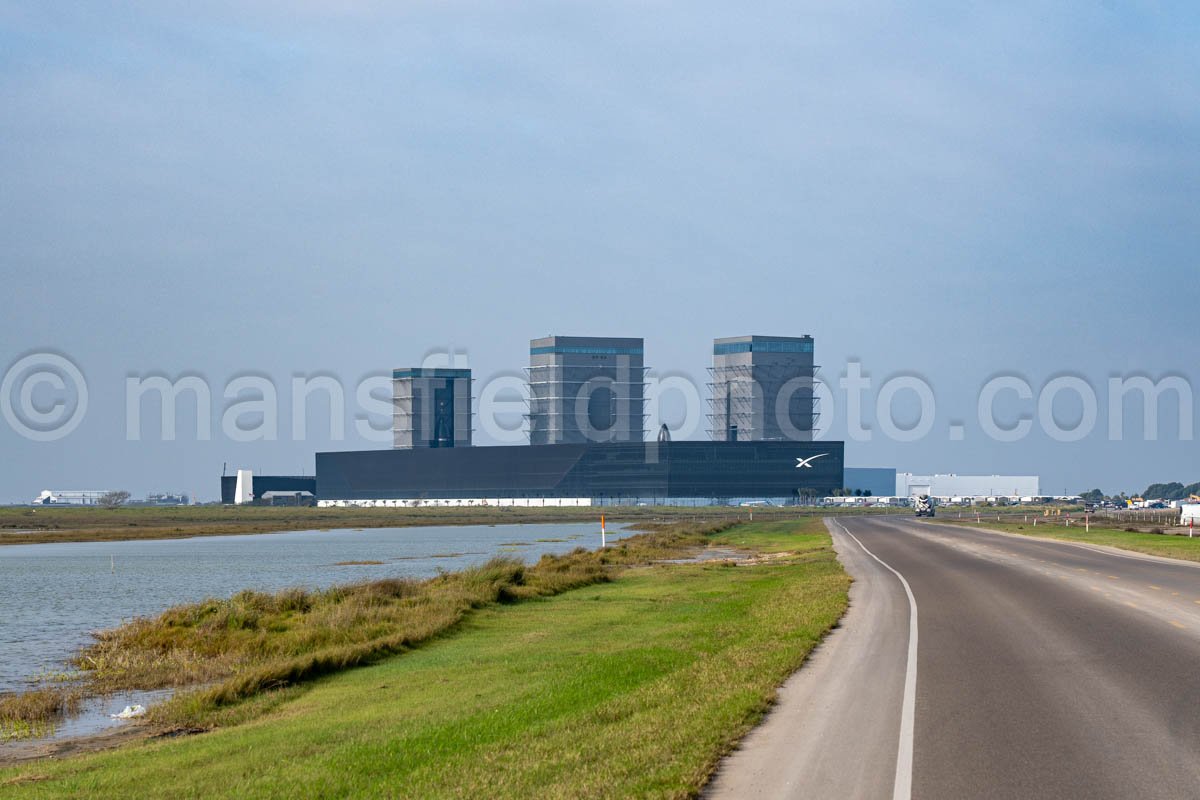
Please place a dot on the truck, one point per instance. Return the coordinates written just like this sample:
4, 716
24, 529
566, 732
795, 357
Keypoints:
922, 505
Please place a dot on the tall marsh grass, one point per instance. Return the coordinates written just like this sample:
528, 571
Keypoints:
254, 641
30, 713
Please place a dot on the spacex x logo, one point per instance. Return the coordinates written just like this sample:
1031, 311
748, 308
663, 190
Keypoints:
806, 463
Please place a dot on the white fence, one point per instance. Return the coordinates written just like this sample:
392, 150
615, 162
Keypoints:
463, 502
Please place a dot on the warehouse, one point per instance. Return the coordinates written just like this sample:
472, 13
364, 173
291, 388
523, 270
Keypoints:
966, 487
627, 472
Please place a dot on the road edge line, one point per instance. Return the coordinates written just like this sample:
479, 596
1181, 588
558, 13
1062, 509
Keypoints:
1102, 549
902, 789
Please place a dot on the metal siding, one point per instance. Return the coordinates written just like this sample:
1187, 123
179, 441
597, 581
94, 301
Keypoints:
633, 469
269, 483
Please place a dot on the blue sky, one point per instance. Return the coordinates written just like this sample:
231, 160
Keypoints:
953, 192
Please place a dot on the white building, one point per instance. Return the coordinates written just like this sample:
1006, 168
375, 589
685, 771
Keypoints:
967, 487
70, 497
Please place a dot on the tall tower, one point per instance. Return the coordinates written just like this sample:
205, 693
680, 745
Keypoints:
586, 389
763, 389
431, 407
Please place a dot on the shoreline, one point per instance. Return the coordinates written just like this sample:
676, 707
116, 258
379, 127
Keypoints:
32, 751
669, 671
24, 525
659, 685
544, 576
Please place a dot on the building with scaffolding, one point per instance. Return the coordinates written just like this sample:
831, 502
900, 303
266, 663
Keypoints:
431, 407
762, 389
586, 390
586, 417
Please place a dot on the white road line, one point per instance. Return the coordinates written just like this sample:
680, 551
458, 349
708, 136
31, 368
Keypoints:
1132, 555
902, 789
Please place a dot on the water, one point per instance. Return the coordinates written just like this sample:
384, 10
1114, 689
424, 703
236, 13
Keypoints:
100, 714
52, 596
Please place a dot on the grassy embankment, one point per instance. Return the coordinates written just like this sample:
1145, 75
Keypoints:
630, 687
23, 525
254, 640
1155, 544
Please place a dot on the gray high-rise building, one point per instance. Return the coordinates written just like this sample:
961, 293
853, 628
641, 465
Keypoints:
763, 389
431, 407
586, 389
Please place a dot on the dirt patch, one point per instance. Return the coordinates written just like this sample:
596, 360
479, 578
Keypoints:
712, 554
15, 753
763, 558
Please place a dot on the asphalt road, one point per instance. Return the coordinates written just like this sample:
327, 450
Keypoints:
1031, 669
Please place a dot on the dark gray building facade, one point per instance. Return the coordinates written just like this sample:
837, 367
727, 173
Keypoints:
586, 390
262, 484
431, 408
763, 389
659, 472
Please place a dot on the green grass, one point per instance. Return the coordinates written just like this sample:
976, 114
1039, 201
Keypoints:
245, 644
634, 687
776, 536
1155, 544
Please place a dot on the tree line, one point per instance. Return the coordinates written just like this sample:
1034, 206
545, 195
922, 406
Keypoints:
1155, 491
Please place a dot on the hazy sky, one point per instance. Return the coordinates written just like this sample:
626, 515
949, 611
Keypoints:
953, 193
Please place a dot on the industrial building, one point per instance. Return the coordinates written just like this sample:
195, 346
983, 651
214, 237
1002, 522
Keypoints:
246, 487
875, 481
585, 389
587, 436
70, 497
952, 488
584, 474
431, 408
763, 389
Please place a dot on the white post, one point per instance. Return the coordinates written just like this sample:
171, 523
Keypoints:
603, 535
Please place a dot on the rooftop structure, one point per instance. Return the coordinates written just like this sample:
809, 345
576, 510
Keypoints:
585, 389
763, 389
431, 408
